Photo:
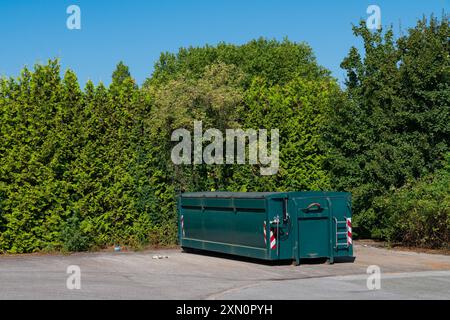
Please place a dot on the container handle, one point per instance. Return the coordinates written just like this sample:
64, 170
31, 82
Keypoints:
313, 205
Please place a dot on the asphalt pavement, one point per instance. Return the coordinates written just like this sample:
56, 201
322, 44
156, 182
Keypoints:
173, 274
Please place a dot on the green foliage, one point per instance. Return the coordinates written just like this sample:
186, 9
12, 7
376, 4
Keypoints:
418, 213
298, 110
66, 150
72, 236
393, 127
35, 151
276, 62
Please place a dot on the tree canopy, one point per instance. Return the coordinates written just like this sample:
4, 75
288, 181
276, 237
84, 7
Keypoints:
393, 126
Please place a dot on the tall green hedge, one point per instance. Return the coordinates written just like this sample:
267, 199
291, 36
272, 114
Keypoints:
66, 162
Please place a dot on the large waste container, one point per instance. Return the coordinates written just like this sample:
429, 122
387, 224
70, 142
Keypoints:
267, 225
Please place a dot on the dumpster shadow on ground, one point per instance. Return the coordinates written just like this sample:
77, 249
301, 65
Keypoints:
221, 255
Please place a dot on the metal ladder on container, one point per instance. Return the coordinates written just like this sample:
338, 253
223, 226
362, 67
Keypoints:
338, 244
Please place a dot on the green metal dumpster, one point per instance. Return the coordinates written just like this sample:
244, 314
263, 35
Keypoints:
267, 225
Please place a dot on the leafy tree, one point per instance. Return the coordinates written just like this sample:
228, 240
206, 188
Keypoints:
276, 62
394, 127
298, 110
418, 213
213, 99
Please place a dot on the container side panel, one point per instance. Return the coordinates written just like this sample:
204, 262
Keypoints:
192, 223
225, 221
249, 228
218, 225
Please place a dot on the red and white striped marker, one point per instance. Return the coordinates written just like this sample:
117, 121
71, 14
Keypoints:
349, 231
182, 224
265, 236
273, 240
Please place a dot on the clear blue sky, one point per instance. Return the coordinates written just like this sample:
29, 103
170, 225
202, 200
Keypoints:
137, 32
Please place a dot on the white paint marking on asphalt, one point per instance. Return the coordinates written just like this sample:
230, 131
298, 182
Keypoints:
394, 275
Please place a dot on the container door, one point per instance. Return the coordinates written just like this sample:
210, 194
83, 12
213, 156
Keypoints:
313, 227
342, 226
